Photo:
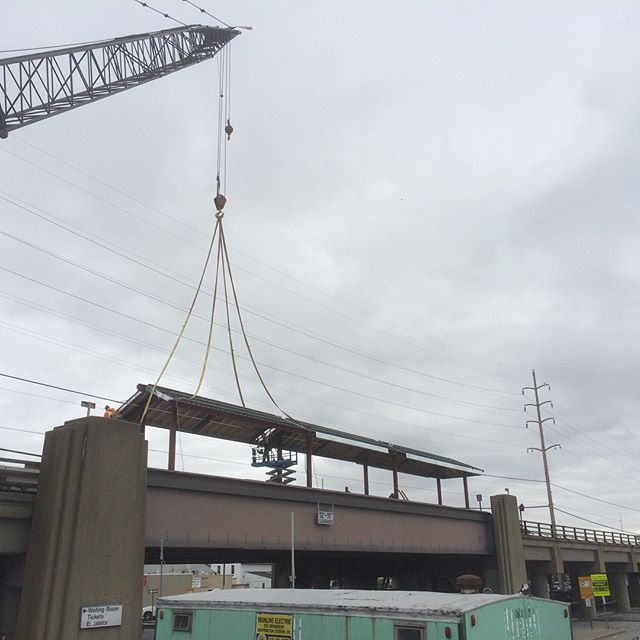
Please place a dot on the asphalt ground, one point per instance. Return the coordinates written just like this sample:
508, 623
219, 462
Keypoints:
627, 628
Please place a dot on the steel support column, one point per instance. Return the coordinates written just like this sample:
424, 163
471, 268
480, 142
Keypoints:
309, 456
439, 487
365, 471
396, 489
172, 439
466, 491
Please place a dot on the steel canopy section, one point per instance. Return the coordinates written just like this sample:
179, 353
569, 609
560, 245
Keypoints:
39, 85
171, 409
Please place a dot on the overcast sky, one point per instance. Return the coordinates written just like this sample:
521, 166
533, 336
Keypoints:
446, 191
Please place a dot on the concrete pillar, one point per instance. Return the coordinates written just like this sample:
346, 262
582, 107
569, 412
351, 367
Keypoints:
540, 585
465, 485
634, 589
87, 536
621, 591
11, 583
490, 577
512, 572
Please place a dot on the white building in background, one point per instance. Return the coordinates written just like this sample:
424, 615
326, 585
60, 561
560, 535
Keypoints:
237, 575
246, 575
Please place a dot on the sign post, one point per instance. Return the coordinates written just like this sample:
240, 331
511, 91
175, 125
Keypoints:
152, 593
600, 585
586, 593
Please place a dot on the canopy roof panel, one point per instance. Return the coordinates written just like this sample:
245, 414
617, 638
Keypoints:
171, 409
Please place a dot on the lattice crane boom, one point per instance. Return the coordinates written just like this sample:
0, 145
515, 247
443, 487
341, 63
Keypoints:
40, 85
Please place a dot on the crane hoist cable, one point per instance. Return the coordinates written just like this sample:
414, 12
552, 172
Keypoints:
219, 201
223, 263
213, 313
231, 349
146, 5
184, 324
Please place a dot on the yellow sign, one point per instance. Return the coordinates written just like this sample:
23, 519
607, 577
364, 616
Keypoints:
600, 584
274, 626
586, 589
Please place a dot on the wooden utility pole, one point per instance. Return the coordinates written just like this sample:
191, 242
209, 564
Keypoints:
542, 448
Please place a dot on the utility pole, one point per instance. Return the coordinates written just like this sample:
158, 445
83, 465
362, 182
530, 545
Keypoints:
293, 556
542, 448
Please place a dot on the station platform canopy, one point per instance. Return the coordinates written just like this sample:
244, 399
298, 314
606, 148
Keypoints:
179, 411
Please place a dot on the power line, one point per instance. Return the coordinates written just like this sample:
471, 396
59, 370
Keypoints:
37, 395
593, 461
488, 475
599, 524
558, 486
181, 239
272, 344
38, 336
275, 345
22, 453
101, 199
584, 495
53, 386
599, 442
39, 433
50, 311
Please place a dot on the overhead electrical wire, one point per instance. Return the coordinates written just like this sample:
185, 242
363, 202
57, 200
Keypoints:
585, 495
594, 452
486, 475
53, 386
38, 433
182, 239
93, 326
595, 440
302, 377
23, 453
599, 524
37, 395
268, 342
124, 255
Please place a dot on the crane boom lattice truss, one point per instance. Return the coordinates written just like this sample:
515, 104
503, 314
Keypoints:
40, 85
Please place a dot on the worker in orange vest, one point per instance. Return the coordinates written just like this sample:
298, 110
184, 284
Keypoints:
109, 412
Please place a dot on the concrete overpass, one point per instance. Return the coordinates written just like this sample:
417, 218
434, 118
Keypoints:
99, 513
344, 538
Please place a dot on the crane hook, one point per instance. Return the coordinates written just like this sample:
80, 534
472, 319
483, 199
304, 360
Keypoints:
219, 201
228, 130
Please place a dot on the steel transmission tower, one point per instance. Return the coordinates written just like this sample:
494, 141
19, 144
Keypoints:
43, 84
543, 448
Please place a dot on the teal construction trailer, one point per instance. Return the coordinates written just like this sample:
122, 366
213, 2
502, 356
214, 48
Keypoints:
306, 614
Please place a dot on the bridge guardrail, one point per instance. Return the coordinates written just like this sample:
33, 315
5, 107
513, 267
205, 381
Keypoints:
564, 532
23, 479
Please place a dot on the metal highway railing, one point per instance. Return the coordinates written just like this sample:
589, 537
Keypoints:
563, 532
19, 475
